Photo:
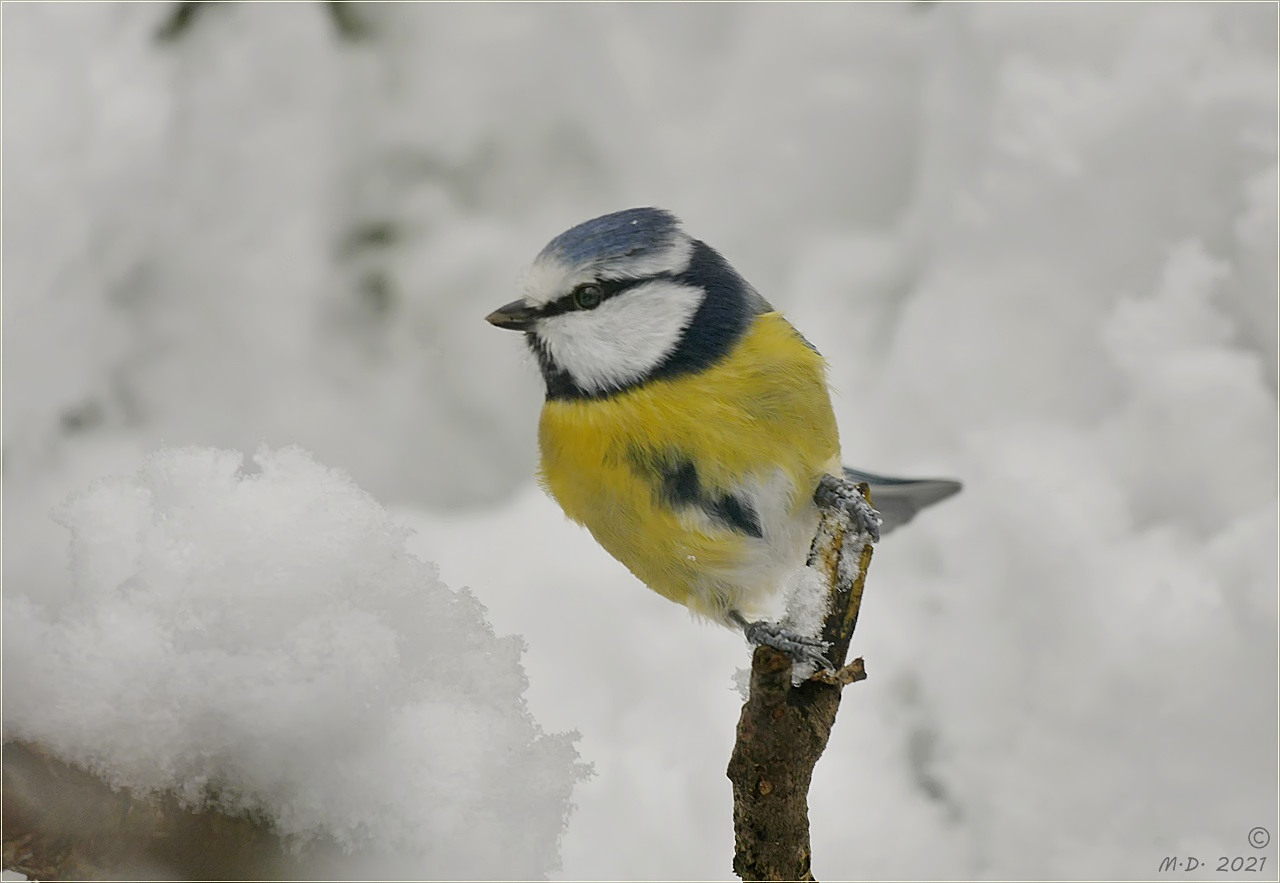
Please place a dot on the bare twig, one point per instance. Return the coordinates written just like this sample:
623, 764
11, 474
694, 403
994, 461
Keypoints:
783, 730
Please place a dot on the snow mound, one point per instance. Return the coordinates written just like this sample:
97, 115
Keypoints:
261, 641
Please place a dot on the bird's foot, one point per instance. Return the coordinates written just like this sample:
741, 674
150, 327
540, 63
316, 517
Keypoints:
802, 649
842, 494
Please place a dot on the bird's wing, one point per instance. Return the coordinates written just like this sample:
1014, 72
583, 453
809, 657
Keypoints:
899, 499
677, 480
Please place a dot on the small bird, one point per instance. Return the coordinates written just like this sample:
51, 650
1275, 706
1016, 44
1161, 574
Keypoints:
687, 424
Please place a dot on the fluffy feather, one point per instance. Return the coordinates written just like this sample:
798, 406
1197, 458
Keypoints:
757, 425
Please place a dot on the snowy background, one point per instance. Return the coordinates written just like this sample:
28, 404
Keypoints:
1037, 244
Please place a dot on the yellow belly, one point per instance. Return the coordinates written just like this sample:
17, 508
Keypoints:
761, 417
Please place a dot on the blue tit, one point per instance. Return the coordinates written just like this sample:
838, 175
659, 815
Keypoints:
687, 424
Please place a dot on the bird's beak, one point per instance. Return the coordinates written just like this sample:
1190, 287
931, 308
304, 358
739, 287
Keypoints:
517, 315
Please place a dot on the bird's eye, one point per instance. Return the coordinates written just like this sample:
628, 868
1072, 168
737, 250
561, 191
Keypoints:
588, 296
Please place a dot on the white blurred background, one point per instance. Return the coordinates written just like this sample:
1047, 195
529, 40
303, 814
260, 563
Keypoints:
1036, 242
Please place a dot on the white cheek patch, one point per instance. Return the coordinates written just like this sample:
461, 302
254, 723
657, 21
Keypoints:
623, 339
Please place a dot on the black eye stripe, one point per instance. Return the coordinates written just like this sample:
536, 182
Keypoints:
608, 288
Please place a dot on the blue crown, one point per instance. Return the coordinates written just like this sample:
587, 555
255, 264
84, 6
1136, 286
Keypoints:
634, 232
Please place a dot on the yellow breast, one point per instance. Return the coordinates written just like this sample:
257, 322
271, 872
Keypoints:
759, 418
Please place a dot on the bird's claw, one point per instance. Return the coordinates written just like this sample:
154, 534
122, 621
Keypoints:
801, 648
839, 493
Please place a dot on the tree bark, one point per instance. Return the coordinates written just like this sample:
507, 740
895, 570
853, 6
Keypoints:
783, 730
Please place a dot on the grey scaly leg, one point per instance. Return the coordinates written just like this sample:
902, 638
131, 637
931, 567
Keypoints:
840, 493
800, 648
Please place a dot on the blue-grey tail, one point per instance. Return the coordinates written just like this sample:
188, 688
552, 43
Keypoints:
899, 499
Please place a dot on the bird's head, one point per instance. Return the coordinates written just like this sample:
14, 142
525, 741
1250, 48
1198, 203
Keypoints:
627, 298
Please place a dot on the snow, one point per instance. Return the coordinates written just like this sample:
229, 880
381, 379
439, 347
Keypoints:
807, 591
1037, 243
256, 638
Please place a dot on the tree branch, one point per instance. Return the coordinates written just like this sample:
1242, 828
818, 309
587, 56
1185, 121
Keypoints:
783, 730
